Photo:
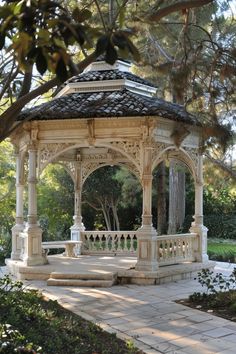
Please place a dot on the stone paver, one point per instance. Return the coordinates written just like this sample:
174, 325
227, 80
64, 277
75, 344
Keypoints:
149, 316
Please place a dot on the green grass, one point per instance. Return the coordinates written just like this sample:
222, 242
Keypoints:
222, 251
46, 324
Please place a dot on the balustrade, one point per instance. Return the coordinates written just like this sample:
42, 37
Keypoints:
176, 248
115, 242
172, 249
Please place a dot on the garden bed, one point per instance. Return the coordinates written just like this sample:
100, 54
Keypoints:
219, 297
39, 325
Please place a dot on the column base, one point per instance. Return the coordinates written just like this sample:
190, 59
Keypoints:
147, 249
16, 241
201, 243
32, 253
75, 232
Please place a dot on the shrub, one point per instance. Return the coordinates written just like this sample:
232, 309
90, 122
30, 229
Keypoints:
219, 225
5, 248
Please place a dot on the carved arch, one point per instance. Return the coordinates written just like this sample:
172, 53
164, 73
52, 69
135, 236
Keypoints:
181, 155
95, 166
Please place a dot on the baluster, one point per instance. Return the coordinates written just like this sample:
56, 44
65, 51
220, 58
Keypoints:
125, 243
112, 242
179, 248
169, 249
100, 242
131, 243
160, 250
119, 243
107, 241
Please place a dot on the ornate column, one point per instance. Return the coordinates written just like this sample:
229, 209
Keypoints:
32, 253
197, 226
147, 235
78, 224
19, 225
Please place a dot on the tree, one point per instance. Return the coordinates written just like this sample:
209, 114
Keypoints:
102, 192
41, 33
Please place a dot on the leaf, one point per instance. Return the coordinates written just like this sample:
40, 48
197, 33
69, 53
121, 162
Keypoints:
111, 54
61, 71
41, 62
82, 15
102, 44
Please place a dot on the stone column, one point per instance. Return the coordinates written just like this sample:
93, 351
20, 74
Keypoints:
19, 225
32, 253
78, 226
197, 225
147, 235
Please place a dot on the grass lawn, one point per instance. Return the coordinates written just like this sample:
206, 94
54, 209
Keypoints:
49, 326
222, 250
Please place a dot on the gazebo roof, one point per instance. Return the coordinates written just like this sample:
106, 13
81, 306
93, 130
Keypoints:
109, 91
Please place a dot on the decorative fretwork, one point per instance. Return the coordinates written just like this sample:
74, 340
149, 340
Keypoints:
194, 155
131, 148
158, 148
48, 151
89, 167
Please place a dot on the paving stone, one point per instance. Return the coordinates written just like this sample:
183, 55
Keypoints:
219, 332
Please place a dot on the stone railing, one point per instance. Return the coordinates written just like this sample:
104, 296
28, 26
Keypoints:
177, 248
171, 249
113, 242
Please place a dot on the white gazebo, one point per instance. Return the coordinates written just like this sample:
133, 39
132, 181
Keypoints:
107, 116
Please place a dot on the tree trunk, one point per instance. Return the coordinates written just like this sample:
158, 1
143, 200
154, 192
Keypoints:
106, 217
176, 196
115, 216
161, 199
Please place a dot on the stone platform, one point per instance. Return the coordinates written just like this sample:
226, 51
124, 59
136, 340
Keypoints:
101, 271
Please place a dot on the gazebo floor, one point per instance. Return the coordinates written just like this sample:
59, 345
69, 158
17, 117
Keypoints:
101, 271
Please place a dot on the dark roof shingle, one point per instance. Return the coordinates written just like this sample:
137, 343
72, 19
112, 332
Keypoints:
106, 75
122, 103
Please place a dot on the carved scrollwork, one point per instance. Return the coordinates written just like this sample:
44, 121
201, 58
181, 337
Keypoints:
89, 167
131, 148
46, 153
194, 155
157, 149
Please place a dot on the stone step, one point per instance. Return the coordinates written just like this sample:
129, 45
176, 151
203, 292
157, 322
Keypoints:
84, 276
81, 282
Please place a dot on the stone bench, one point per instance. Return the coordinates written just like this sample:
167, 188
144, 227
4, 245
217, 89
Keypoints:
68, 246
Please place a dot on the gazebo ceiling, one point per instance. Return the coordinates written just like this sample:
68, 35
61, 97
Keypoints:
107, 91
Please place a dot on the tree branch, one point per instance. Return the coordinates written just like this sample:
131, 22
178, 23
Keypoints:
222, 165
9, 117
159, 14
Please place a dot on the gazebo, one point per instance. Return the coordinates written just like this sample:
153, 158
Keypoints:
107, 116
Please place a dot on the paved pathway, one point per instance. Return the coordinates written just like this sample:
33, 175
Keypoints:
149, 316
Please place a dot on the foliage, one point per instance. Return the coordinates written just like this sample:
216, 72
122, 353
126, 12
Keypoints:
220, 294
46, 324
55, 203
5, 248
216, 282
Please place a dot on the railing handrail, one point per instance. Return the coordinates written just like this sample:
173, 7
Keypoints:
108, 232
174, 236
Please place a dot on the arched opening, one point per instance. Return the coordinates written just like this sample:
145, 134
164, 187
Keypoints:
55, 202
173, 197
114, 195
